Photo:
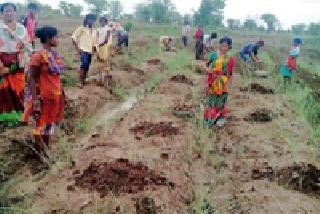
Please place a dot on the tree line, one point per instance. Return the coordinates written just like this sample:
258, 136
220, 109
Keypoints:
210, 13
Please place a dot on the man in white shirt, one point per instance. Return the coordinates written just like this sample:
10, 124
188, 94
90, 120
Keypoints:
185, 33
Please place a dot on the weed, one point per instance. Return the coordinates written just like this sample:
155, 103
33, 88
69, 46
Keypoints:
120, 92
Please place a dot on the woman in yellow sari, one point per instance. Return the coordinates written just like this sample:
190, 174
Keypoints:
219, 75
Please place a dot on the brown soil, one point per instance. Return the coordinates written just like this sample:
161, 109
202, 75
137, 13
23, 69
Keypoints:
119, 177
181, 79
154, 61
260, 115
255, 87
149, 129
145, 206
301, 177
184, 110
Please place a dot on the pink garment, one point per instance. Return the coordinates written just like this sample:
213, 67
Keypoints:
31, 27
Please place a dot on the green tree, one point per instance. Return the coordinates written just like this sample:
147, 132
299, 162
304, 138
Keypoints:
143, 12
70, 9
97, 6
64, 8
314, 29
233, 24
270, 20
250, 24
115, 8
298, 28
210, 12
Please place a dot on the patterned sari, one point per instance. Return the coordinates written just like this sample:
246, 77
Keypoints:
217, 87
14, 49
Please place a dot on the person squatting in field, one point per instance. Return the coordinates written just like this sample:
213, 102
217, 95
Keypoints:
288, 69
219, 75
165, 43
104, 42
249, 53
46, 96
14, 51
84, 41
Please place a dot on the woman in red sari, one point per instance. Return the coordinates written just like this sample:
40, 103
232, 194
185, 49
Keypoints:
46, 103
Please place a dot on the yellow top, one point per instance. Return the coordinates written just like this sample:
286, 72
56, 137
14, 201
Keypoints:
85, 38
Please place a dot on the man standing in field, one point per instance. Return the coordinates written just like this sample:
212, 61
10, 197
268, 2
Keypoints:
185, 33
199, 43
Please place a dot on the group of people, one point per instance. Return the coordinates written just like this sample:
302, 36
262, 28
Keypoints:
30, 79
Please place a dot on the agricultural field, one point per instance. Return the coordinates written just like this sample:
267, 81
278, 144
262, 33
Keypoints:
127, 148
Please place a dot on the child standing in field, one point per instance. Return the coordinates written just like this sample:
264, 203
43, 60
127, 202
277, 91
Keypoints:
220, 72
288, 69
104, 42
84, 40
46, 103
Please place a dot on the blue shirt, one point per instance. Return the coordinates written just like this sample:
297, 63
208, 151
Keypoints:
250, 48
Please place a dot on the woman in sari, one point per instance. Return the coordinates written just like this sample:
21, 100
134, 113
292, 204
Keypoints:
288, 69
14, 46
46, 103
219, 75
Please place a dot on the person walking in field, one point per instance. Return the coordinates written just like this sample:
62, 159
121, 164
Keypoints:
219, 75
185, 33
104, 42
249, 53
84, 41
288, 69
29, 21
46, 101
199, 47
14, 51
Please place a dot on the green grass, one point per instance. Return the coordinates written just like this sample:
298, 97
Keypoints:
83, 126
69, 79
120, 92
152, 82
179, 62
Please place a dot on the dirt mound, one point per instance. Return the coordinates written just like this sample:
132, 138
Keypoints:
262, 170
260, 115
154, 61
145, 206
181, 79
148, 129
304, 178
119, 177
183, 110
255, 87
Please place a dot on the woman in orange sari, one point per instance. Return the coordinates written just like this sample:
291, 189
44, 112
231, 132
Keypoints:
219, 75
46, 103
14, 47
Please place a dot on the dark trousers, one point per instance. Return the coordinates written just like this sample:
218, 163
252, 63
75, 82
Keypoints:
185, 41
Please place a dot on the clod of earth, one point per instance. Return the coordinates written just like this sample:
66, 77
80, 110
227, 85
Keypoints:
183, 110
145, 206
301, 177
154, 61
260, 115
119, 177
149, 129
181, 79
262, 171
255, 87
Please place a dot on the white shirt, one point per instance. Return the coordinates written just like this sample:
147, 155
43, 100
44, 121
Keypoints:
102, 34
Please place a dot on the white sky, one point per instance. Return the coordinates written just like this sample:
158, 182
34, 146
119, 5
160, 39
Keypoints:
288, 11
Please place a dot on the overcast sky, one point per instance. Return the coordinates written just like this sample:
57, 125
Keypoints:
288, 11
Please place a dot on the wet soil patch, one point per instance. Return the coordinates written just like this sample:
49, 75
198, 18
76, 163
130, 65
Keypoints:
260, 115
255, 87
149, 129
154, 61
145, 206
183, 110
301, 177
181, 79
120, 177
